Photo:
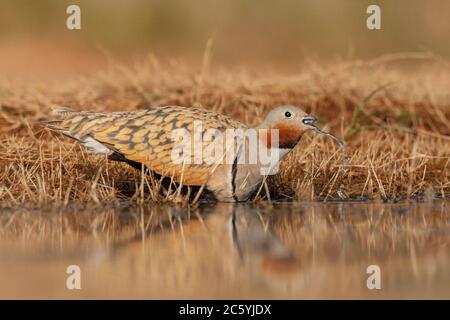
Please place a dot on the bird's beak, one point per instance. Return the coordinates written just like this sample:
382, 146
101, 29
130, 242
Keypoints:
309, 121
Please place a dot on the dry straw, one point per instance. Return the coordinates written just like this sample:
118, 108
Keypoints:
397, 136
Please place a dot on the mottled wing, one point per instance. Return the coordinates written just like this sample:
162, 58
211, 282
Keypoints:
145, 136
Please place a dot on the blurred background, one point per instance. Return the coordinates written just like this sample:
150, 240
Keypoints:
33, 34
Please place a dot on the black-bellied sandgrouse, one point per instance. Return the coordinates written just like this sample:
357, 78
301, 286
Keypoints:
224, 155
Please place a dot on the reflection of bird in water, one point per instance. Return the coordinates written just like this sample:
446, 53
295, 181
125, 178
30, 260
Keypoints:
144, 138
241, 226
254, 241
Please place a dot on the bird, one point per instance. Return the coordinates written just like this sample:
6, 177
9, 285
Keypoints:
144, 138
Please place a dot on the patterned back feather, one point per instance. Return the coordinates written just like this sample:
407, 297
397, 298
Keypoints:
143, 136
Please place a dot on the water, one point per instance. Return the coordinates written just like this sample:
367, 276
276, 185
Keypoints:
282, 250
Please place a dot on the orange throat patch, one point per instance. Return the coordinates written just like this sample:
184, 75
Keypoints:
288, 135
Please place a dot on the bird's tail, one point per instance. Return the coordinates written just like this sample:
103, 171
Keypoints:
78, 125
61, 114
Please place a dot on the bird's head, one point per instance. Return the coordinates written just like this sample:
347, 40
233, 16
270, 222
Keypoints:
291, 123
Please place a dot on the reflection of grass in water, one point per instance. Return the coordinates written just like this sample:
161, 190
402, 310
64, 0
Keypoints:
394, 159
168, 251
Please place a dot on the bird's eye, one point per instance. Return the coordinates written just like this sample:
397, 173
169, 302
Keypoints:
287, 114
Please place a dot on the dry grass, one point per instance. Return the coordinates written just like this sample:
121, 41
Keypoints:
398, 143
